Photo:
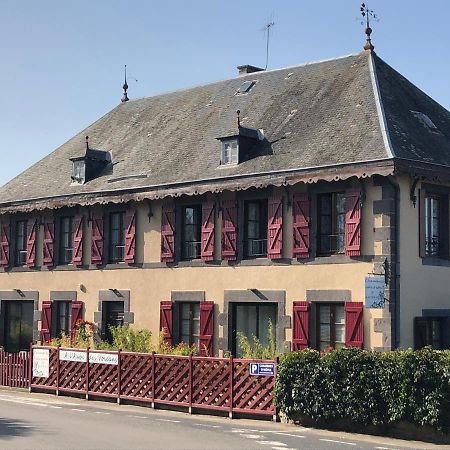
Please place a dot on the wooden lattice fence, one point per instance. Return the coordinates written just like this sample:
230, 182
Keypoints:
15, 369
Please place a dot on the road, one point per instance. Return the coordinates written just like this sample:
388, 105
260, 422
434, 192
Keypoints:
44, 421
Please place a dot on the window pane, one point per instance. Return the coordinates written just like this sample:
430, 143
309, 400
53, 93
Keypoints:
267, 314
325, 312
246, 320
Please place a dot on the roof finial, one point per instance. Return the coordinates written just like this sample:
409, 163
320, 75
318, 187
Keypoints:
238, 112
87, 143
125, 88
368, 14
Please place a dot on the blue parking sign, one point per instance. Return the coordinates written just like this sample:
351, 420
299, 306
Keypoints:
262, 369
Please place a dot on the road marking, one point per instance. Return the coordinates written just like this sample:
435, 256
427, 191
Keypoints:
101, 412
55, 407
136, 417
168, 420
243, 430
383, 448
207, 426
21, 402
337, 442
76, 409
273, 444
251, 436
37, 401
281, 433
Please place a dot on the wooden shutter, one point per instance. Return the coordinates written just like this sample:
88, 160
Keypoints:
76, 314
4, 245
130, 236
168, 233
49, 242
229, 230
354, 324
46, 321
301, 211
31, 242
300, 326
275, 228
206, 328
352, 223
422, 224
77, 246
97, 240
208, 213
165, 320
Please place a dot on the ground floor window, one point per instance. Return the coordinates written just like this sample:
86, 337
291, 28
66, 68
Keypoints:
429, 331
187, 323
330, 320
18, 325
252, 319
113, 315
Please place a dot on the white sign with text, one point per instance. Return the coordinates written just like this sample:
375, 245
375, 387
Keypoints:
41, 359
104, 358
72, 355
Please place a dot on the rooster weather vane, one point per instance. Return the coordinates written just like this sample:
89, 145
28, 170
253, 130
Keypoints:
367, 15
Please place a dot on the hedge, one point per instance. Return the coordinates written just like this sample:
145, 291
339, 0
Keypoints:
366, 388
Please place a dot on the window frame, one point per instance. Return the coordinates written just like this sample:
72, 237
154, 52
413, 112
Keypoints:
263, 217
193, 338
332, 323
429, 220
22, 251
62, 260
334, 215
120, 245
56, 330
230, 157
197, 227
441, 320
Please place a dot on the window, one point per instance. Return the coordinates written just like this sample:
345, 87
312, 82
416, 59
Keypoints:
230, 152
117, 237
113, 315
61, 318
21, 243
252, 319
188, 323
192, 232
330, 326
430, 331
18, 325
66, 240
78, 171
255, 240
331, 223
432, 225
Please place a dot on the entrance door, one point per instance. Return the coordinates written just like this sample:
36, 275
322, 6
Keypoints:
112, 317
18, 325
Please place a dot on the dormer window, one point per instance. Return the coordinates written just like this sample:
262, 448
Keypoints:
230, 152
79, 171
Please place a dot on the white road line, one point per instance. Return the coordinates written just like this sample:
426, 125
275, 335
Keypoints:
168, 420
251, 436
337, 442
76, 409
39, 401
273, 444
55, 407
101, 412
281, 433
136, 417
207, 426
383, 448
244, 430
21, 402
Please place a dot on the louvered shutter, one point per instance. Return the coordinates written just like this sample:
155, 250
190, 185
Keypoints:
229, 230
206, 328
31, 242
168, 233
4, 245
300, 325
208, 213
301, 208
352, 223
130, 236
275, 228
97, 240
46, 321
165, 320
49, 242
77, 252
354, 324
76, 314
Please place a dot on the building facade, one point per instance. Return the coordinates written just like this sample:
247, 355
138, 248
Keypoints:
179, 213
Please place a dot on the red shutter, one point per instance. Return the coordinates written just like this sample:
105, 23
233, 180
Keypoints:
168, 233
208, 213
4, 245
46, 321
165, 320
229, 230
77, 252
49, 242
301, 220
354, 324
130, 236
75, 315
352, 223
31, 242
300, 325
97, 240
206, 328
275, 228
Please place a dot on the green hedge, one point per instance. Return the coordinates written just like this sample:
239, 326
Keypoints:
365, 387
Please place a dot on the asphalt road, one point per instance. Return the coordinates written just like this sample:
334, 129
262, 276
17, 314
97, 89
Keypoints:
44, 421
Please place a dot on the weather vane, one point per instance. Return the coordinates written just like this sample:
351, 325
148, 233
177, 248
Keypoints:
367, 15
125, 86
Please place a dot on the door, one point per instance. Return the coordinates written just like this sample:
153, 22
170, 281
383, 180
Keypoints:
18, 325
112, 317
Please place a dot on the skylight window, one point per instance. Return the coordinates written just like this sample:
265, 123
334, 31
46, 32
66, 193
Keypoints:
245, 87
230, 152
425, 120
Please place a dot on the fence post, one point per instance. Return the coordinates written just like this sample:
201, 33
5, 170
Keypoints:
231, 386
119, 375
58, 370
190, 384
275, 416
30, 367
153, 380
87, 373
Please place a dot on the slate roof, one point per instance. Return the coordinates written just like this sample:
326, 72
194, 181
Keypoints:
330, 114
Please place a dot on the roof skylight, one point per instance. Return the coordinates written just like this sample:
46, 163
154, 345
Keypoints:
425, 120
245, 87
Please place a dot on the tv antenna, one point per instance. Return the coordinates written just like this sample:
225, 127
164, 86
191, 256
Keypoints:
368, 14
267, 28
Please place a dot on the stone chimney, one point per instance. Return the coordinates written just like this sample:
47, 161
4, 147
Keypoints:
243, 70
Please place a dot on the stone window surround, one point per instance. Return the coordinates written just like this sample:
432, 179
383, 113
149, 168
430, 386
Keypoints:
255, 296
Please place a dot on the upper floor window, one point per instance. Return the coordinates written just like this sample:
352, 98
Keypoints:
230, 152
255, 239
66, 240
21, 243
432, 224
117, 236
191, 232
331, 223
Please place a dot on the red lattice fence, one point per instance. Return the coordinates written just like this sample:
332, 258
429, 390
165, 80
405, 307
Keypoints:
15, 369
221, 384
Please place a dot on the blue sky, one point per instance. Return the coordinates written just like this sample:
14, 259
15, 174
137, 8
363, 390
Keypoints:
62, 61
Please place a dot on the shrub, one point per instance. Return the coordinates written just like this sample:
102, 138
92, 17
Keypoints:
254, 349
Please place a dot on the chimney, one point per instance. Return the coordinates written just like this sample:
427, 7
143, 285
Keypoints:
247, 68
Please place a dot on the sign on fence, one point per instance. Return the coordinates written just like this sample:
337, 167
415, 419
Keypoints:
262, 369
104, 358
72, 355
41, 358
